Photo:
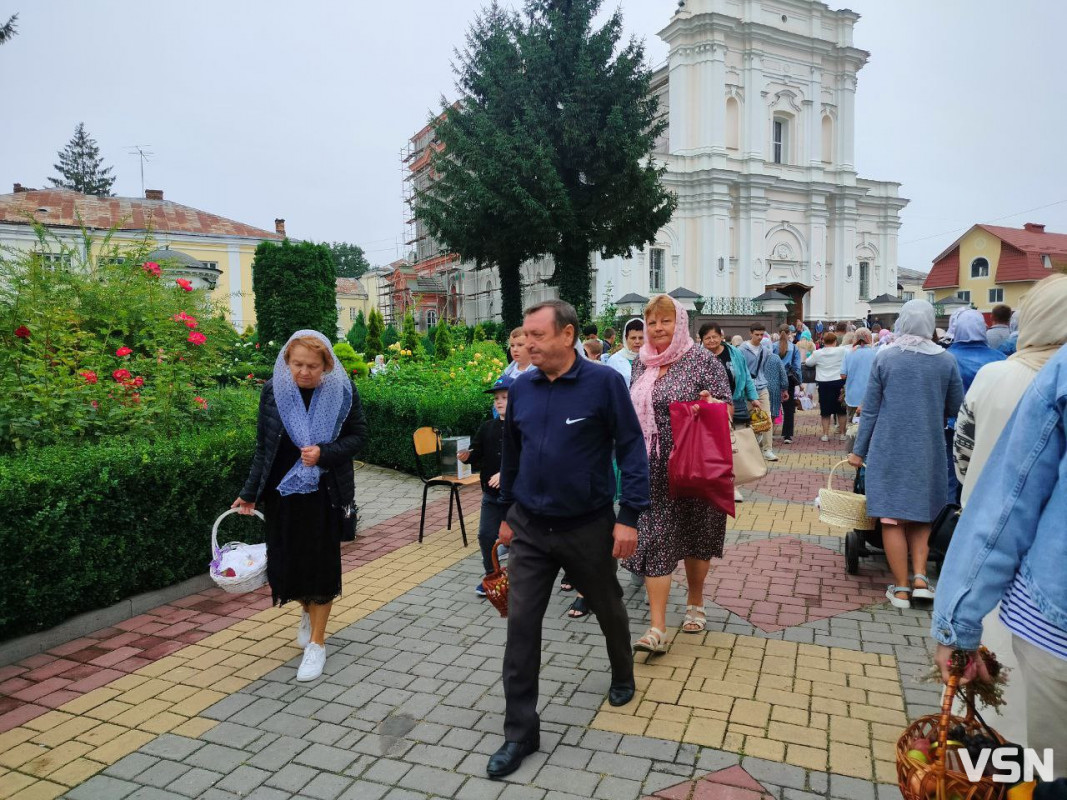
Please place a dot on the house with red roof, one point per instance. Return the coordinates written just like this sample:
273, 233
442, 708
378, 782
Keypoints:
991, 264
211, 251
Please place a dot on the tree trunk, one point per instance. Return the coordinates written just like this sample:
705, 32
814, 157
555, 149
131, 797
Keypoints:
510, 292
572, 276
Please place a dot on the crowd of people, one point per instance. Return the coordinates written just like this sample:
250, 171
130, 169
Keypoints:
574, 475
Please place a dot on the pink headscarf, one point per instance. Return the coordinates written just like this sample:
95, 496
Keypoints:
641, 391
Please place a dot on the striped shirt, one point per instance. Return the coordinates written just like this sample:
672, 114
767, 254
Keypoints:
1022, 617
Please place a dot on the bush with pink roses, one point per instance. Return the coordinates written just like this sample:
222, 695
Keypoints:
107, 346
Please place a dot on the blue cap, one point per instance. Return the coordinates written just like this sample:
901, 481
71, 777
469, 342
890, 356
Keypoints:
503, 383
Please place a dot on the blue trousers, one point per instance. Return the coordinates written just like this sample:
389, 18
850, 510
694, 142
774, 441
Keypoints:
488, 529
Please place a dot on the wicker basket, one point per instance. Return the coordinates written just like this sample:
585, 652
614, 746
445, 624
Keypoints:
760, 421
843, 509
252, 556
936, 781
496, 583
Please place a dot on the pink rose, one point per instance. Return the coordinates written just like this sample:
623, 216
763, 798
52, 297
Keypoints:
197, 338
123, 351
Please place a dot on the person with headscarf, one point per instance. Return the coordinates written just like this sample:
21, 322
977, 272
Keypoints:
885, 336
988, 405
633, 336
856, 370
669, 369
971, 352
310, 427
1009, 544
914, 387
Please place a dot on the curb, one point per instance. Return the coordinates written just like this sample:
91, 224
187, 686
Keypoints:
31, 644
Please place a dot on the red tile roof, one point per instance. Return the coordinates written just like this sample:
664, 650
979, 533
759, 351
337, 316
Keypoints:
946, 271
1022, 252
64, 208
350, 286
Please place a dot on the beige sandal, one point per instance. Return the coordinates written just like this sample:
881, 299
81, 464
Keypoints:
651, 642
696, 619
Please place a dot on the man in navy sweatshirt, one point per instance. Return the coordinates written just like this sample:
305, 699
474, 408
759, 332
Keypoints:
565, 418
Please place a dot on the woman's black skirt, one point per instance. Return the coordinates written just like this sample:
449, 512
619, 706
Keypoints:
829, 397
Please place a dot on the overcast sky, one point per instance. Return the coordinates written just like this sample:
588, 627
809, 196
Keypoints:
264, 109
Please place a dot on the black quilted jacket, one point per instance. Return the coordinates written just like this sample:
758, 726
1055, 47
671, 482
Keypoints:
335, 458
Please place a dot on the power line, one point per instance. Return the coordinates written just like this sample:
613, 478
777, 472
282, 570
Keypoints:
996, 219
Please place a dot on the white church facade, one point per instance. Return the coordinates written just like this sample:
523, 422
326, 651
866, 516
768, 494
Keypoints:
760, 103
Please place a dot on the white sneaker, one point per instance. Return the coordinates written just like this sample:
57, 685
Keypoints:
824, 438
737, 496
314, 661
842, 437
769, 455
303, 631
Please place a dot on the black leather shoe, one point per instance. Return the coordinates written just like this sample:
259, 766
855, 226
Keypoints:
621, 693
509, 757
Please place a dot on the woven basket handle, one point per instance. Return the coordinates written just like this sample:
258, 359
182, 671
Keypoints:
833, 469
942, 724
215, 527
496, 560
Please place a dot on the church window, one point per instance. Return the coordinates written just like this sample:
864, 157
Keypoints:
733, 123
779, 141
979, 268
865, 280
827, 139
431, 317
655, 269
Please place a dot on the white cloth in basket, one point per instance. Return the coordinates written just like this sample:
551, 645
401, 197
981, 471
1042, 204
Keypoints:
243, 559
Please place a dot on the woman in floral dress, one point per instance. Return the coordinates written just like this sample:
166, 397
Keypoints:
672, 368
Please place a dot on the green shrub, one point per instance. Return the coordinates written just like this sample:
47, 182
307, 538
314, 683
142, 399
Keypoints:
442, 345
350, 360
447, 395
357, 334
109, 346
295, 286
390, 335
84, 526
374, 345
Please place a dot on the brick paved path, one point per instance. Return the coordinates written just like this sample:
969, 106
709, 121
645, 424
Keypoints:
797, 690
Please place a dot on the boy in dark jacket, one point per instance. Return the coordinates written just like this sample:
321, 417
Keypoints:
484, 456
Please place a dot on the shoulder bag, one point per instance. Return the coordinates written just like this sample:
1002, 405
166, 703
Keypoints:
749, 464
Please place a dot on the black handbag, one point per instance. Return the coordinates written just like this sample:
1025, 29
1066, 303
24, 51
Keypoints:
807, 373
741, 412
942, 528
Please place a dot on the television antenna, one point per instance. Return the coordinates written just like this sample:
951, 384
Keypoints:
142, 151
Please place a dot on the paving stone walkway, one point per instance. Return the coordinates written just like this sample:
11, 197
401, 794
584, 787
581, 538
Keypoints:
799, 687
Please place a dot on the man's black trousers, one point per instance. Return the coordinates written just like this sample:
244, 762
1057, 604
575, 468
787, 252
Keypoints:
538, 551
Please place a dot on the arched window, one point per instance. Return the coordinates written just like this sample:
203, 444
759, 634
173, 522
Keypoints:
827, 139
733, 123
431, 317
979, 268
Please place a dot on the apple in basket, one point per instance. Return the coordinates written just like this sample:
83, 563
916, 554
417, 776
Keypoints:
229, 572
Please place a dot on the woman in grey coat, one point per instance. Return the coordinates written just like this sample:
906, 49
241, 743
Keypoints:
914, 387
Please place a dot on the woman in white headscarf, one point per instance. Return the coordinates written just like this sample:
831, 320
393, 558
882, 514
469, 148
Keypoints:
633, 336
310, 427
989, 404
913, 388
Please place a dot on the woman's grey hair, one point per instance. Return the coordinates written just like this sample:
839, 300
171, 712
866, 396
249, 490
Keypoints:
563, 312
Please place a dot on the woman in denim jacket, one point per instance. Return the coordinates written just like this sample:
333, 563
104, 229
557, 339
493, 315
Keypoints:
1011, 547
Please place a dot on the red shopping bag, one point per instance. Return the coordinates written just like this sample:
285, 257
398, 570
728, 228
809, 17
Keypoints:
701, 465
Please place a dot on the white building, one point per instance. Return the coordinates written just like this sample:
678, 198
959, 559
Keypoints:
760, 101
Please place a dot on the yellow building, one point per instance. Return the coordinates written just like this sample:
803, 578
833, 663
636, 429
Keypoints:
990, 264
352, 298
211, 251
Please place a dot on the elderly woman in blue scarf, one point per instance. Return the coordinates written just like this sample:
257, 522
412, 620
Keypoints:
310, 427
971, 350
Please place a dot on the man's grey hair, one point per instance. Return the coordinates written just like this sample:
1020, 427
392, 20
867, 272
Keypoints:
563, 313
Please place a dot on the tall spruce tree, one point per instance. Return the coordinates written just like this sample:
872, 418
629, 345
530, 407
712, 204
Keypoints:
81, 168
548, 149
9, 28
492, 201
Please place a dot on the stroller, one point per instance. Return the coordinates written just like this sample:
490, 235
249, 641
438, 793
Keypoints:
858, 543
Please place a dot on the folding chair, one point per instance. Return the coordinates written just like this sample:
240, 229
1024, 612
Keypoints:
427, 441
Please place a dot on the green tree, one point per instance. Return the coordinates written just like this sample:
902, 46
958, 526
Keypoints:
295, 287
9, 29
349, 259
442, 341
374, 345
548, 149
390, 335
409, 337
357, 334
81, 168
497, 186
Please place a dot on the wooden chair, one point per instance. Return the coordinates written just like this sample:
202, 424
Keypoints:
426, 442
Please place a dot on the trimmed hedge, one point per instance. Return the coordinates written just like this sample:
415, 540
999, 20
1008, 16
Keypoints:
84, 527
394, 412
